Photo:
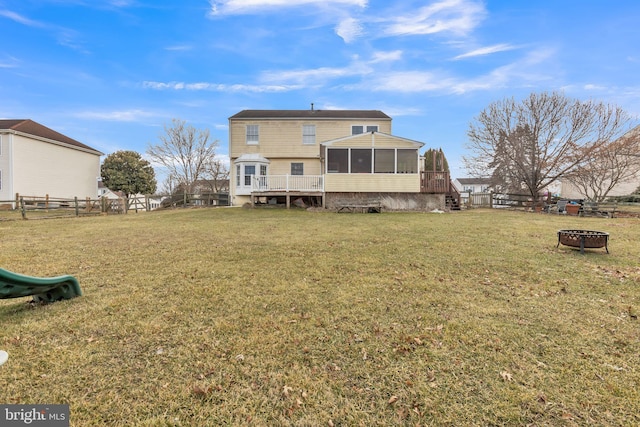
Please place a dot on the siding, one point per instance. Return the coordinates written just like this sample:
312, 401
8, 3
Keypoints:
6, 192
283, 138
42, 168
383, 183
283, 166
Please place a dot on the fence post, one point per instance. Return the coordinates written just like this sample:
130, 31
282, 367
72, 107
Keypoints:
491, 199
75, 201
46, 202
184, 199
22, 208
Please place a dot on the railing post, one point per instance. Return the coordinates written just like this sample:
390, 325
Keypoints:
287, 183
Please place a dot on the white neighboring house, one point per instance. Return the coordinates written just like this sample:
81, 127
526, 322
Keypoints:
38, 161
138, 201
473, 185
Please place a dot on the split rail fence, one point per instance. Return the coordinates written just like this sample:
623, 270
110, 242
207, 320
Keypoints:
38, 207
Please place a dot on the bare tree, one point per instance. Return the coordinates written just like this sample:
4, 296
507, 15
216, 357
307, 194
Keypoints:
184, 151
217, 174
613, 163
527, 145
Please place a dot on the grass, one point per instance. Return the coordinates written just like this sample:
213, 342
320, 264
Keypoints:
274, 317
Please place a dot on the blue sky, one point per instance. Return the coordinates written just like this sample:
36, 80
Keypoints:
112, 73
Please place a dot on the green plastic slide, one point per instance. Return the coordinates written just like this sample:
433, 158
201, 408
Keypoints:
49, 289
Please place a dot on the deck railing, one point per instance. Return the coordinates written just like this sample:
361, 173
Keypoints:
288, 183
435, 182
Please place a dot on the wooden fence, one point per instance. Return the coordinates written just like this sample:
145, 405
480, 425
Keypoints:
42, 207
499, 200
34, 207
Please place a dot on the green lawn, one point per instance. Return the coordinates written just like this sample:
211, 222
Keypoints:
274, 317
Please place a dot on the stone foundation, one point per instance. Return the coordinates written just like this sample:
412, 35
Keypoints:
420, 202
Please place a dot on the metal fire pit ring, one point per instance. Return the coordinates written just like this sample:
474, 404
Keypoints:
583, 239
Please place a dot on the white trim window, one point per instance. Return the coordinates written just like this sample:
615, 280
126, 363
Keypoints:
253, 134
308, 134
249, 172
360, 129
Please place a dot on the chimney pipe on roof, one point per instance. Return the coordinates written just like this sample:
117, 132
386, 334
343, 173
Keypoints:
312, 106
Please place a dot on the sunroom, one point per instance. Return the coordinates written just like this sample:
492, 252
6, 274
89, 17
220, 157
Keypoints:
371, 162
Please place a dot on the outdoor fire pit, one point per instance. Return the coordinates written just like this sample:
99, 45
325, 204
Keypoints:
583, 239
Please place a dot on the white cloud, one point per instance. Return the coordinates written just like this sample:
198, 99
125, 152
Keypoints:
21, 19
315, 76
217, 87
9, 62
64, 36
179, 48
349, 29
116, 116
394, 55
454, 16
487, 50
410, 82
239, 7
528, 71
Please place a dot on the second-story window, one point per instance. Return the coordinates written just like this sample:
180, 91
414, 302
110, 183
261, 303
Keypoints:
309, 134
252, 134
359, 129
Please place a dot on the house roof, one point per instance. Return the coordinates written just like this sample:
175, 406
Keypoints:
471, 181
310, 114
417, 144
29, 127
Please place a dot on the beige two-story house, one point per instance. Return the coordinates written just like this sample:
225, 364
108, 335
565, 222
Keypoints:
38, 161
325, 157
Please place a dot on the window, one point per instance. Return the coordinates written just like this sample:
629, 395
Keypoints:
384, 161
359, 129
252, 134
360, 160
297, 168
249, 172
238, 175
338, 160
309, 134
263, 170
407, 161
